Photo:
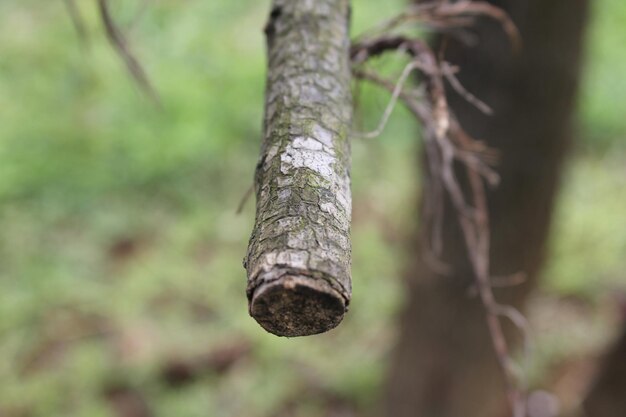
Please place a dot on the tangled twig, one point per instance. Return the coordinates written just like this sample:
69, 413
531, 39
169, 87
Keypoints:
447, 144
447, 16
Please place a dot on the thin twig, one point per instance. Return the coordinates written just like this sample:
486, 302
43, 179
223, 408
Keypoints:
119, 43
458, 87
245, 199
410, 67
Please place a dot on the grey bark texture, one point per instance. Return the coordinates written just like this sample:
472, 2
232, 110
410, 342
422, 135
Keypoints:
298, 259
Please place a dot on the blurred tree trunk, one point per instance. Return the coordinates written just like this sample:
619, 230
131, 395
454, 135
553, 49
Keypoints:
444, 364
607, 398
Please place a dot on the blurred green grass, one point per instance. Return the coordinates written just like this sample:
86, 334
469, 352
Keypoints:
120, 248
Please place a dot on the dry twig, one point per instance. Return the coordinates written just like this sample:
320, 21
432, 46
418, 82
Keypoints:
120, 44
446, 144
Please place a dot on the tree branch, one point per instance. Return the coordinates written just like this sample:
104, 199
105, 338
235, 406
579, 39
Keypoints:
119, 43
298, 259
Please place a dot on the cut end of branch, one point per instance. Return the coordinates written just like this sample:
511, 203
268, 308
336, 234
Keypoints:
297, 306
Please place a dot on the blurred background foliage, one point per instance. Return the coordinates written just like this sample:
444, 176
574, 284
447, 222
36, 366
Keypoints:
121, 282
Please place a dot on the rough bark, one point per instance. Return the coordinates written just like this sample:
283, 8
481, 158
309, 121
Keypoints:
444, 364
298, 259
607, 398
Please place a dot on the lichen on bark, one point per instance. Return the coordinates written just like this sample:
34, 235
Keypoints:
298, 259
